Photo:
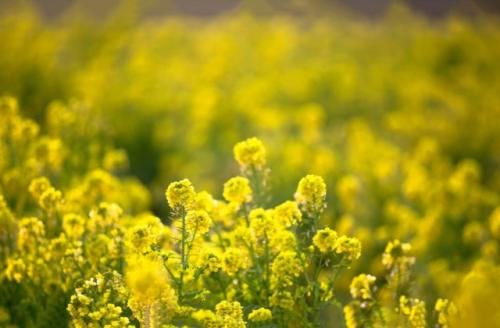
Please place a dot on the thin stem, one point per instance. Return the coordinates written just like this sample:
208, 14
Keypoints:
169, 272
221, 284
219, 236
183, 256
267, 282
190, 244
254, 259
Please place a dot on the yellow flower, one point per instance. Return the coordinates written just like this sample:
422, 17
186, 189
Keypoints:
282, 298
261, 223
50, 199
404, 306
38, 186
288, 214
204, 201
361, 287
233, 260
447, 312
414, 310
325, 240
211, 258
115, 159
198, 221
105, 215
397, 253
260, 315
350, 316
180, 194
207, 317
146, 278
31, 232
286, 266
250, 152
311, 194
466, 174
283, 240
73, 225
15, 269
350, 247
24, 130
237, 190
225, 213
99, 302
141, 237
49, 152
229, 315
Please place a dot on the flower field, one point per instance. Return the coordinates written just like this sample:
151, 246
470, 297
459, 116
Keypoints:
249, 171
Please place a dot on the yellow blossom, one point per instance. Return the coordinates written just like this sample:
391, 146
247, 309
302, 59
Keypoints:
15, 269
447, 312
73, 225
362, 286
180, 193
285, 268
250, 152
233, 260
397, 253
237, 190
38, 186
198, 221
325, 240
311, 193
288, 214
350, 247
414, 310
50, 199
260, 315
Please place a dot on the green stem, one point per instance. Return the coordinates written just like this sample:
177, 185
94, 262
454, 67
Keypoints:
221, 284
183, 257
219, 236
266, 259
190, 244
255, 260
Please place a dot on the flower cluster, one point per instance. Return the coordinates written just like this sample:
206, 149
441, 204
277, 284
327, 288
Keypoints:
100, 301
231, 262
404, 137
237, 190
387, 303
180, 194
260, 315
361, 287
311, 194
250, 152
414, 311
447, 313
326, 240
411, 159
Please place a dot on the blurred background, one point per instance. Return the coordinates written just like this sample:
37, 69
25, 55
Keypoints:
208, 8
396, 104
